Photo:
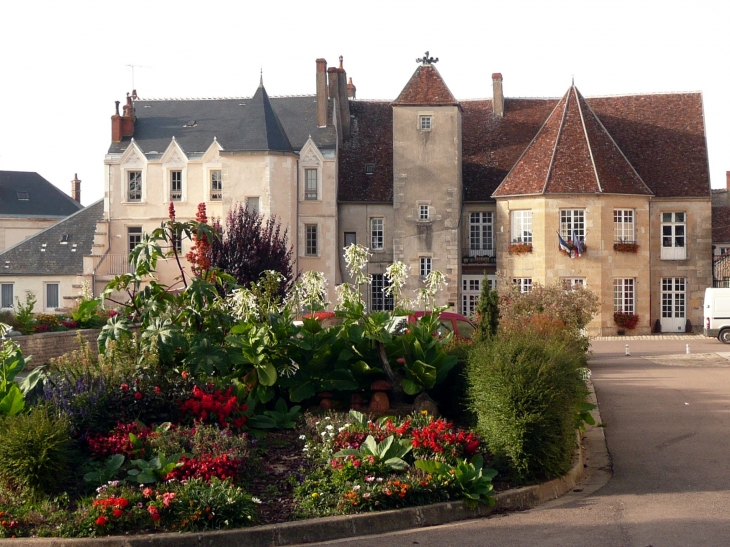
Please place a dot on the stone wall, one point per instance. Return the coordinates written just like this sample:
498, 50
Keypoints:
49, 345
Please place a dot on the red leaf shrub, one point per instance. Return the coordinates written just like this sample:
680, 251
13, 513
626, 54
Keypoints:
218, 407
118, 441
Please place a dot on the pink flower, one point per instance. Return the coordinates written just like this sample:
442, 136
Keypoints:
167, 498
147, 492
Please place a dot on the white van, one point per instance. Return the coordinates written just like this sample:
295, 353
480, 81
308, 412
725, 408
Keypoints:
717, 314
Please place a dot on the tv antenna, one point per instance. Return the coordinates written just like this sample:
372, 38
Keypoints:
132, 67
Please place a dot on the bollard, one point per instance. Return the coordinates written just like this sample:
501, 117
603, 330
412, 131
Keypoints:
687, 349
627, 350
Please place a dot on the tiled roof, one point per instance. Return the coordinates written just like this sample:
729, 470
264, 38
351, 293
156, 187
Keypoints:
259, 126
159, 120
25, 194
572, 153
371, 143
721, 224
426, 87
29, 258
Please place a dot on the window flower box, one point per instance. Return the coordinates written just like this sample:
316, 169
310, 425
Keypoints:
519, 248
626, 320
626, 247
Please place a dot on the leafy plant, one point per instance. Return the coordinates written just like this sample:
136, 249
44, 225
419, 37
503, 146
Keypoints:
85, 312
389, 452
155, 469
487, 312
36, 451
24, 313
279, 418
215, 505
105, 471
519, 248
474, 482
12, 363
583, 415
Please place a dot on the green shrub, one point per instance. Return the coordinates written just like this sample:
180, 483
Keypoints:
220, 504
525, 390
452, 394
36, 451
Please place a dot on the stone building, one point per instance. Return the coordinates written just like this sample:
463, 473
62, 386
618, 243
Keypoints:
441, 183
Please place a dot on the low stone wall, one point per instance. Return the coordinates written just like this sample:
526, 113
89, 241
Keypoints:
49, 345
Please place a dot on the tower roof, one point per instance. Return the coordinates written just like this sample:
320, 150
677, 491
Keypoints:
573, 153
426, 87
260, 126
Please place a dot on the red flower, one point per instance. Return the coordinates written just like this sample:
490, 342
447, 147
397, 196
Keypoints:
138, 395
158, 390
102, 521
117, 513
124, 387
184, 375
171, 211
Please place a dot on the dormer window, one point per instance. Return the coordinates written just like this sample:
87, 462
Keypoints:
175, 185
191, 123
369, 168
64, 239
425, 123
23, 196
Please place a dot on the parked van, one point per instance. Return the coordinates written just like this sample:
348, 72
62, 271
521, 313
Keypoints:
717, 314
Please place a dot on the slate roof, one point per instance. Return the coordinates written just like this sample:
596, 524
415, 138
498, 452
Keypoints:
661, 135
426, 87
574, 154
721, 224
43, 198
27, 258
237, 124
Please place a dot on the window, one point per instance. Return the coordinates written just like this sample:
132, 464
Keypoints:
481, 234
471, 290
570, 283
253, 204
425, 123
6, 295
424, 212
369, 168
521, 226
377, 234
525, 283
623, 295
134, 237
134, 187
379, 300
310, 231
673, 236
350, 239
424, 267
310, 187
175, 185
51, 295
572, 224
216, 185
623, 226
23, 196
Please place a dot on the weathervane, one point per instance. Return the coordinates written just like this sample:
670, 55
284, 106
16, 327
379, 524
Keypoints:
426, 60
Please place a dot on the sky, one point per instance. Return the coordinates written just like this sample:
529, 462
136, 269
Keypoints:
63, 63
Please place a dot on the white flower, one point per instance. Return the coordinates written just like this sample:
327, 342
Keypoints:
302, 437
330, 426
255, 499
356, 488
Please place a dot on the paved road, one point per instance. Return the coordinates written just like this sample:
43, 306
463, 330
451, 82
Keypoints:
668, 434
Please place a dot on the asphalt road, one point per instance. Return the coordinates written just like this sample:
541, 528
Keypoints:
667, 417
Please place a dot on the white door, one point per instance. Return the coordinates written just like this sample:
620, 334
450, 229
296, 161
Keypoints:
471, 289
673, 304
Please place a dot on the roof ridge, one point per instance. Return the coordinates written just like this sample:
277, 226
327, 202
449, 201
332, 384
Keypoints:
588, 139
160, 99
557, 140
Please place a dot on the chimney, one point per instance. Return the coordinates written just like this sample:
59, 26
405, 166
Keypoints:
497, 95
76, 188
334, 94
344, 101
128, 118
321, 92
727, 180
116, 125
351, 89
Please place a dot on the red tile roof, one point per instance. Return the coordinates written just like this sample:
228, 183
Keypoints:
426, 87
572, 154
721, 224
661, 136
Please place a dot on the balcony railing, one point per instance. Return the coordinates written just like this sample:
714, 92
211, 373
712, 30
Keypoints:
175, 195
113, 264
480, 256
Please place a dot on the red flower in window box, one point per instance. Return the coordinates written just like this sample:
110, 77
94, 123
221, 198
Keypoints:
519, 248
626, 320
626, 247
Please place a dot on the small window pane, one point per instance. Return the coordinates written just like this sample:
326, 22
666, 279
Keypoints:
350, 239
52, 295
134, 236
134, 188
7, 295
252, 204
311, 240
175, 185
377, 235
310, 189
423, 212
216, 185
425, 123
424, 266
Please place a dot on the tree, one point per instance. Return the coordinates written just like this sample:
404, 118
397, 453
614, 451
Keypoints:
251, 245
487, 312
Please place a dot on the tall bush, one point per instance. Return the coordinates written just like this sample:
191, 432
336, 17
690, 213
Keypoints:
524, 390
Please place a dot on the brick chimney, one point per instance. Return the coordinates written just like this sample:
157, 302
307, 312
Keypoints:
351, 89
76, 188
321, 92
344, 101
497, 95
123, 126
727, 180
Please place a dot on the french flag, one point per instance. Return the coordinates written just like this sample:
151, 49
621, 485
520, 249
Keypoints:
564, 246
577, 243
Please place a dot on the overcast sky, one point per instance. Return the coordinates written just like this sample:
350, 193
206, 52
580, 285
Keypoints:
64, 63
